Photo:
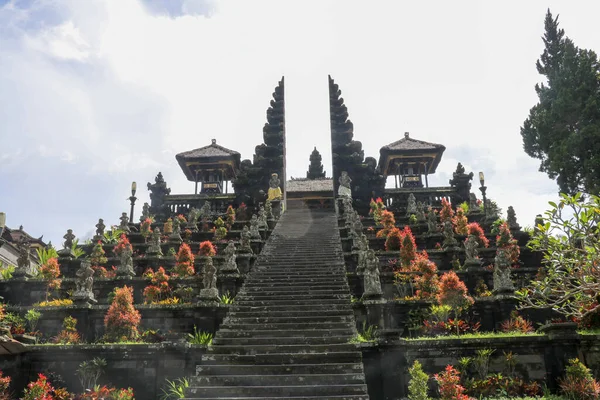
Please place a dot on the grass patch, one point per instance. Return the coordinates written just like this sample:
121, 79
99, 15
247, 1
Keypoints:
477, 335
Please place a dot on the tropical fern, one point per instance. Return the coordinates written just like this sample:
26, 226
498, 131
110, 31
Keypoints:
203, 338
175, 389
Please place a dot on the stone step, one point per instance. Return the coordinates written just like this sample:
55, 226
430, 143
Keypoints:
328, 397
289, 369
291, 282
229, 333
277, 380
274, 307
290, 349
287, 319
240, 301
256, 391
295, 289
294, 313
236, 325
308, 270
282, 358
297, 296
279, 341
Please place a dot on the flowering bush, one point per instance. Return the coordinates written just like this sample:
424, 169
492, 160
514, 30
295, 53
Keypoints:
106, 393
50, 271
4, 384
229, 221
184, 262
388, 222
123, 244
146, 227
505, 241
453, 292
98, 256
579, 384
408, 250
207, 249
168, 227
376, 210
460, 222
69, 334
122, 319
39, 390
393, 240
475, 229
446, 213
159, 288
449, 384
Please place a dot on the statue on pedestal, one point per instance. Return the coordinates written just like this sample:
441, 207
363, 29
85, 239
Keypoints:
344, 189
432, 226
192, 219
274, 189
209, 280
230, 259
363, 247
471, 252
501, 278
84, 282
158, 192
125, 268
67, 250
511, 219
269, 210
449, 239
154, 250
411, 208
99, 230
262, 218
124, 225
420, 214
254, 229
145, 212
245, 238
175, 236
372, 284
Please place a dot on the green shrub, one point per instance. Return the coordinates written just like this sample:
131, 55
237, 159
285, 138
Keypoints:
417, 387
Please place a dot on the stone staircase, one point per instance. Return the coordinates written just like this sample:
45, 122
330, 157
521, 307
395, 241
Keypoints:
287, 334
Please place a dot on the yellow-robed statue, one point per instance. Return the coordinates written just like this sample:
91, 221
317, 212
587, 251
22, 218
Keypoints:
274, 189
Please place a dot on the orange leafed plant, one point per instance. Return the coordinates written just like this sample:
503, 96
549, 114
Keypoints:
122, 319
388, 222
184, 264
207, 249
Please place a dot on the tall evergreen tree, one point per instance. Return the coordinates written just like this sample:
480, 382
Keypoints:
315, 169
563, 129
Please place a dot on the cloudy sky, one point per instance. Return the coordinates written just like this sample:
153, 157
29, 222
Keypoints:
95, 94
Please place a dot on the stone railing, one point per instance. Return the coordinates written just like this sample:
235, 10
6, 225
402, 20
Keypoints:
182, 203
396, 199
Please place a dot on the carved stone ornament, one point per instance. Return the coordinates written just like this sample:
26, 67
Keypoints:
501, 278
209, 280
125, 268
449, 239
432, 225
154, 249
411, 208
372, 284
254, 229
145, 212
124, 225
245, 238
344, 189
230, 258
84, 283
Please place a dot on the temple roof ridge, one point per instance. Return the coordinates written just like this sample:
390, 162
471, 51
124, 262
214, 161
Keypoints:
211, 150
408, 143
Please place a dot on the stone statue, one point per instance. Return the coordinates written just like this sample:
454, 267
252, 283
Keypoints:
411, 208
145, 212
230, 259
158, 191
254, 229
209, 280
511, 219
24, 268
124, 225
502, 280
363, 247
126, 262
175, 236
471, 252
262, 218
473, 206
69, 239
274, 189
245, 238
372, 284
449, 239
192, 219
154, 249
269, 210
420, 212
205, 211
344, 189
99, 230
347, 203
432, 226
491, 210
84, 282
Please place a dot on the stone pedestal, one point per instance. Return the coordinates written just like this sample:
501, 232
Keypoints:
374, 309
228, 283
83, 299
257, 246
24, 272
564, 345
209, 295
276, 205
243, 262
66, 254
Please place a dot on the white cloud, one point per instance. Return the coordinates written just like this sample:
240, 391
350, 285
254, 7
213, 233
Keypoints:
113, 91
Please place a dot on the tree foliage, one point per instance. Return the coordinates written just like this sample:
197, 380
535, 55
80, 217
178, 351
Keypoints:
563, 128
569, 280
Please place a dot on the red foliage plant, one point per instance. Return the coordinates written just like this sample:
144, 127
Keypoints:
207, 249
453, 292
475, 229
122, 319
146, 227
69, 334
106, 393
426, 282
505, 241
4, 384
460, 222
230, 217
449, 384
393, 241
184, 262
516, 323
241, 212
408, 251
579, 382
446, 213
39, 390
376, 209
50, 271
123, 244
388, 222
98, 256
159, 288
